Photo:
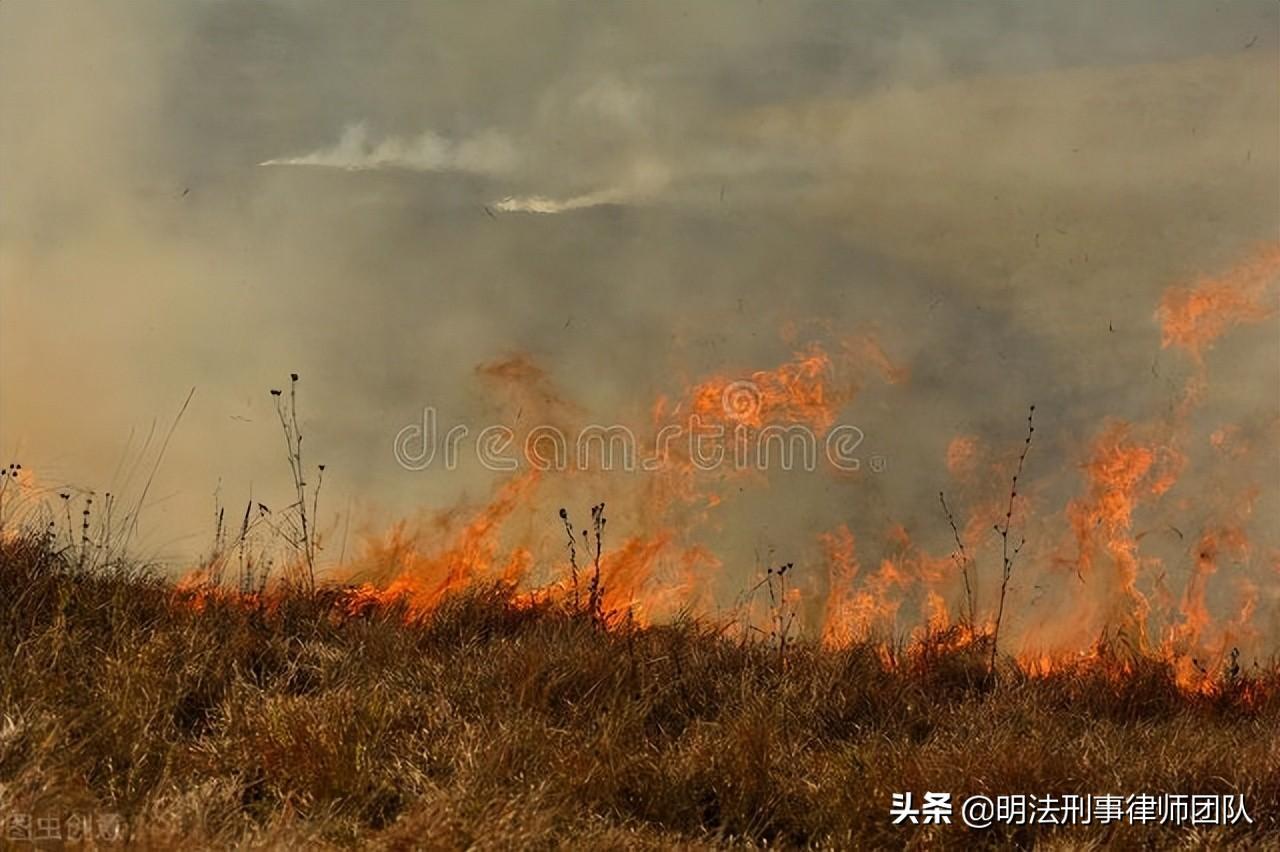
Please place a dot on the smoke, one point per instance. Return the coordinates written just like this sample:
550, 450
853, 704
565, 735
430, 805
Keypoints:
644, 182
486, 153
999, 193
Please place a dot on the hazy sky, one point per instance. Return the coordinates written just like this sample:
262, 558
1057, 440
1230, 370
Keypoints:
381, 196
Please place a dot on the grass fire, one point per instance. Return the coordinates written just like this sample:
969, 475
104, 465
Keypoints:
689, 426
450, 696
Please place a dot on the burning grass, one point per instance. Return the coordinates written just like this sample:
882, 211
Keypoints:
497, 720
437, 690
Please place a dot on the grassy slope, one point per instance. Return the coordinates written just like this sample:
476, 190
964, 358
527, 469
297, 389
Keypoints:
499, 725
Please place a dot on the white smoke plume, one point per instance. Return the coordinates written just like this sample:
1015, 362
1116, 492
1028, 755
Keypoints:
488, 153
543, 204
643, 181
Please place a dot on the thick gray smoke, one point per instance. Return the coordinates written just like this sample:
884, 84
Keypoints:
383, 196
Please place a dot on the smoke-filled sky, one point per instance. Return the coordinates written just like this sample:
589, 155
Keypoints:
383, 196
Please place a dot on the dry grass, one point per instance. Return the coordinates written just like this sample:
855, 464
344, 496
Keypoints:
212, 720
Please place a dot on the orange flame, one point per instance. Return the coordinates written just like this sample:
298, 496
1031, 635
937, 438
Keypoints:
1193, 318
1128, 468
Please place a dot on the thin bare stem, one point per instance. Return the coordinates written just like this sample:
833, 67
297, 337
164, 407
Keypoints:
1007, 555
305, 539
573, 556
962, 557
596, 591
132, 525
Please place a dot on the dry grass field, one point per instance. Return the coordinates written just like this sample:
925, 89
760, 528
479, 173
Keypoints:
206, 718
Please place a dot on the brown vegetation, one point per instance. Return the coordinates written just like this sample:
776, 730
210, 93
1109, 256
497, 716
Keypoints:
214, 718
